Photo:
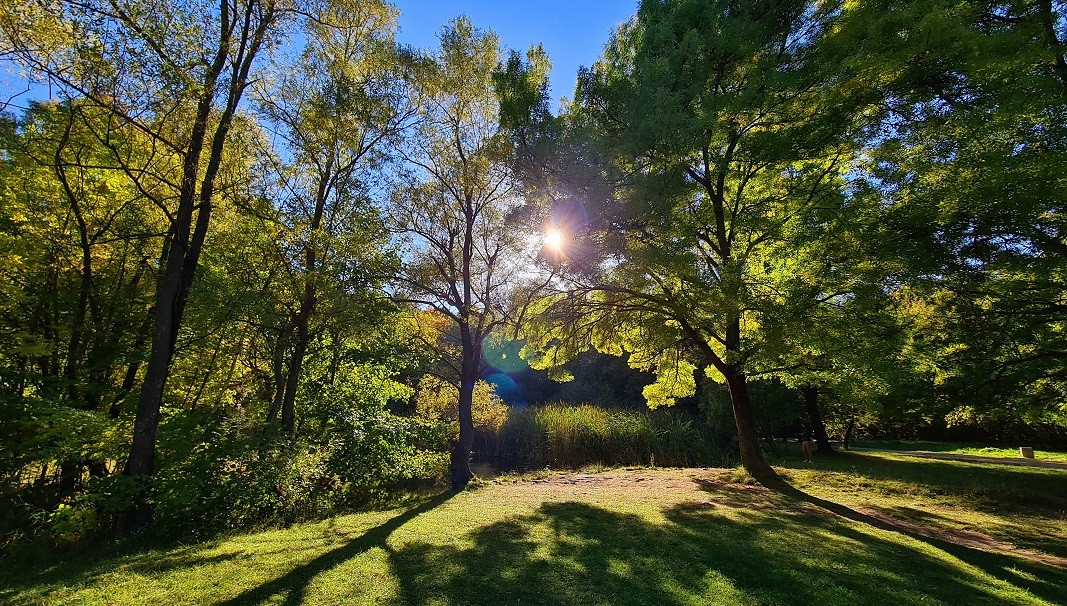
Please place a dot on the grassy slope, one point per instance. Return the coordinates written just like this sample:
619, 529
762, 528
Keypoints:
962, 449
620, 537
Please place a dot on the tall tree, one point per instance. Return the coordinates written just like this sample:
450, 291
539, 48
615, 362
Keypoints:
176, 72
967, 174
716, 148
334, 110
451, 210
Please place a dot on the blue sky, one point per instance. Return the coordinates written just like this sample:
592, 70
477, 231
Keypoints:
573, 32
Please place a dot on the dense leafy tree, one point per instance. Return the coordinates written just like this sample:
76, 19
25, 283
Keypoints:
334, 111
176, 73
968, 171
720, 151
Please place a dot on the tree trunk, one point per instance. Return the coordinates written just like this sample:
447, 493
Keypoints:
747, 436
141, 462
278, 368
129, 381
818, 428
460, 467
292, 381
186, 237
307, 303
848, 433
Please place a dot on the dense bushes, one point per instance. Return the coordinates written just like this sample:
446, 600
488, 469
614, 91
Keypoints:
239, 477
218, 468
570, 436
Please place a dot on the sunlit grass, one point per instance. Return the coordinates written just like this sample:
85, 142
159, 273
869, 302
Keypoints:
643, 536
963, 449
1021, 506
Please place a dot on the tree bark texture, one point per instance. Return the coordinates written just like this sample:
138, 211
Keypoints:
747, 436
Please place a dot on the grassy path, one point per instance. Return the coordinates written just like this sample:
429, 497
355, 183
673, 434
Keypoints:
962, 448
970, 458
862, 528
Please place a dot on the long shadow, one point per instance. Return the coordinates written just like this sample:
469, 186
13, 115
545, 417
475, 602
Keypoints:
1027, 500
294, 583
578, 553
989, 487
995, 563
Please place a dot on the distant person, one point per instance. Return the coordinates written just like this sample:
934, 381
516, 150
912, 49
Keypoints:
807, 441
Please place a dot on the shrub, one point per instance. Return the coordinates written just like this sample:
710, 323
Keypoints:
241, 476
439, 400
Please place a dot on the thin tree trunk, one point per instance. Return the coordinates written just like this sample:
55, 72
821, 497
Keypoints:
811, 405
229, 372
848, 433
130, 379
278, 363
460, 467
307, 303
292, 382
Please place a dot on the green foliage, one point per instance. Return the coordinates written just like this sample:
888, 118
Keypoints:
602, 380
72, 522
861, 197
231, 477
966, 182
235, 476
439, 400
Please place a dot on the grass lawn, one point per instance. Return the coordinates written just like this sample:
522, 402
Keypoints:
860, 528
962, 449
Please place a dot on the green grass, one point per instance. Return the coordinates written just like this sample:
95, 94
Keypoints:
962, 449
639, 536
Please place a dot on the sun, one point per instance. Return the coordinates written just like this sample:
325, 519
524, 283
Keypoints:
553, 238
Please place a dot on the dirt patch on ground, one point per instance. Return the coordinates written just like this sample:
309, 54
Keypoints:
703, 488
666, 479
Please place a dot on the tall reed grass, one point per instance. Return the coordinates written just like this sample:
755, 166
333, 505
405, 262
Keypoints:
571, 436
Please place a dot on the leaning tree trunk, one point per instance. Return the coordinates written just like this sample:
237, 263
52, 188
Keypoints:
292, 380
811, 404
747, 436
209, 131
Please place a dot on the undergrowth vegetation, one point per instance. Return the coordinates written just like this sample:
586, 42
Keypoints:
567, 436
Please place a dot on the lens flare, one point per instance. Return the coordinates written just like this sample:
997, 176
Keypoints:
553, 238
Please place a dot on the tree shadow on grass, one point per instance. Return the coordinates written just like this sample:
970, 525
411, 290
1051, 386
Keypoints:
701, 553
1028, 531
293, 584
1045, 577
995, 488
